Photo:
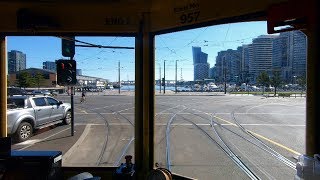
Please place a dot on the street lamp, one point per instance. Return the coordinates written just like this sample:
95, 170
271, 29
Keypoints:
119, 82
159, 76
177, 73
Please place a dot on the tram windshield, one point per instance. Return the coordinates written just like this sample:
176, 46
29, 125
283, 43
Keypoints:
229, 100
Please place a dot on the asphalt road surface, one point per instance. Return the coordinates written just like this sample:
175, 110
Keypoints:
204, 137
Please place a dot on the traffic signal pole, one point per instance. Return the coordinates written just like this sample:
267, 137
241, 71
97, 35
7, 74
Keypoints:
176, 78
160, 77
164, 75
119, 76
72, 109
72, 112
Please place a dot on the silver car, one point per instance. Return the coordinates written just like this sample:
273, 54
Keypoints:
27, 113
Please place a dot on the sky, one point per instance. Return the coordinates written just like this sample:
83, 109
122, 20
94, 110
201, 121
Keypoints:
103, 62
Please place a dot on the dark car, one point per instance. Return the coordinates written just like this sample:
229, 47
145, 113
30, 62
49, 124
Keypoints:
16, 91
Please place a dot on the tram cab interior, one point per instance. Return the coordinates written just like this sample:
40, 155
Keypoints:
142, 20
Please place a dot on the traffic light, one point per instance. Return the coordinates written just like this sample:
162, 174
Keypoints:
68, 47
163, 83
66, 72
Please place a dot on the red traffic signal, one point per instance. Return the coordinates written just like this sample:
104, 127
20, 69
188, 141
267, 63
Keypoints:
66, 72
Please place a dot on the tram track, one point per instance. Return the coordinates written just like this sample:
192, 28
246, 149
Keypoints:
104, 146
257, 142
264, 146
105, 143
225, 148
126, 147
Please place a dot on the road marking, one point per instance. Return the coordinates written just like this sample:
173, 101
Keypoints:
28, 142
287, 125
269, 140
273, 142
84, 111
45, 138
296, 114
110, 106
225, 121
124, 110
272, 104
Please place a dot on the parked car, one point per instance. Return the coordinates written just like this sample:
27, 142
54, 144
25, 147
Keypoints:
28, 113
16, 91
37, 92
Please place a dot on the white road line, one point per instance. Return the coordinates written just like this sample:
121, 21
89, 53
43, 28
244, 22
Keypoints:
287, 114
125, 109
110, 106
293, 114
189, 124
44, 139
269, 105
287, 125
28, 142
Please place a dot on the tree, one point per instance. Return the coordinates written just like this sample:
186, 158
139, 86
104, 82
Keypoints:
24, 80
263, 79
275, 81
302, 81
38, 79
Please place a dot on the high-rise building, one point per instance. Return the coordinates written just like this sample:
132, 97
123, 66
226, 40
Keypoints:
290, 54
16, 61
280, 60
297, 52
228, 66
79, 72
200, 64
244, 51
261, 58
212, 72
50, 65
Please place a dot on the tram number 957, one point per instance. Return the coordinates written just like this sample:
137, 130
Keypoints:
189, 17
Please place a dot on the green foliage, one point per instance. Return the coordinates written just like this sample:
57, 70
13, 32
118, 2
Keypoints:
284, 94
275, 81
302, 81
24, 80
38, 79
263, 79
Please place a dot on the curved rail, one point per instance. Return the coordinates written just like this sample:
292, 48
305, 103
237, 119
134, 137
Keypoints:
264, 146
226, 149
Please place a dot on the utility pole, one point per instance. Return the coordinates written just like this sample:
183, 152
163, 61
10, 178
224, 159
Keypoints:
119, 76
72, 108
225, 81
176, 77
164, 75
160, 77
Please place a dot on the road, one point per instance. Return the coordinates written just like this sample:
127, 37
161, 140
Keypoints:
204, 137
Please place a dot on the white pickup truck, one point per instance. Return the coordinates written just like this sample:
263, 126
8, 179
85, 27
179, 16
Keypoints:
27, 113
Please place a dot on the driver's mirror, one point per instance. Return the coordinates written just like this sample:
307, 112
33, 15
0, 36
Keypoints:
60, 102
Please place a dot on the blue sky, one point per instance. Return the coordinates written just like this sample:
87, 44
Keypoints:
169, 47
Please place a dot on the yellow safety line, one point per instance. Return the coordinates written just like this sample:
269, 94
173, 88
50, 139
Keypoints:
273, 142
225, 120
